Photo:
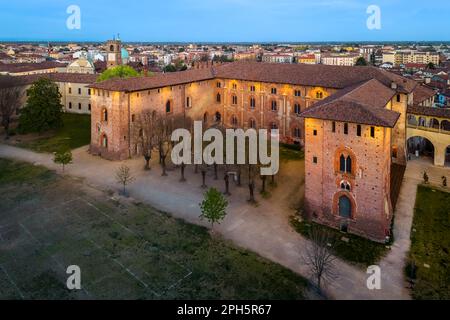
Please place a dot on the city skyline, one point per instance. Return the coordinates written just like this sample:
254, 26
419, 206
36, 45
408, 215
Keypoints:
235, 21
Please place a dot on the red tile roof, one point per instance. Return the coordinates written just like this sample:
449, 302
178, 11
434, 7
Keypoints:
338, 77
27, 67
363, 103
422, 93
430, 111
12, 81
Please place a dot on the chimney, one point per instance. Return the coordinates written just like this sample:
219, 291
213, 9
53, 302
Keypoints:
393, 86
427, 80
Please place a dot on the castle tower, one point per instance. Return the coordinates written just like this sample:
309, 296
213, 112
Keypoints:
114, 56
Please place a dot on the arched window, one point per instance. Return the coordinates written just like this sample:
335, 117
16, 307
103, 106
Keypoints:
218, 117
319, 95
104, 141
234, 121
345, 207
342, 163
104, 115
273, 126
168, 106
274, 105
297, 108
111, 48
218, 98
296, 132
349, 165
345, 186
252, 123
252, 103
188, 102
345, 164
234, 99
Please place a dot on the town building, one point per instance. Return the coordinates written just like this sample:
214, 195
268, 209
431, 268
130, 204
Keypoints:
401, 57
339, 59
75, 93
278, 58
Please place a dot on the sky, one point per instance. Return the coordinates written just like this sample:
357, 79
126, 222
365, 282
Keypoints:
225, 20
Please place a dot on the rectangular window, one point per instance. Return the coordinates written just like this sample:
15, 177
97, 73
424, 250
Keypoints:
333, 126
70, 90
274, 90
89, 107
252, 103
297, 93
89, 91
132, 118
372, 132
70, 105
79, 106
79, 90
315, 159
235, 100
274, 105
345, 128
399, 98
315, 132
358, 130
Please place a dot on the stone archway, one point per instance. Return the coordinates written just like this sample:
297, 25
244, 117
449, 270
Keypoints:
436, 152
420, 148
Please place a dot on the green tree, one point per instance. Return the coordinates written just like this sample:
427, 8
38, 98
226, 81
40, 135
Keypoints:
63, 158
170, 68
213, 206
43, 110
431, 66
361, 62
118, 72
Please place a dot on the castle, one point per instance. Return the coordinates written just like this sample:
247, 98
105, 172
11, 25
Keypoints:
354, 124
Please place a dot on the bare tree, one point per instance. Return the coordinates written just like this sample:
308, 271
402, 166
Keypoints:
164, 126
319, 257
124, 177
251, 171
203, 169
145, 130
10, 100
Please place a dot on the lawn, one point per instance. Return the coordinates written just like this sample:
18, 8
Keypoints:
75, 133
291, 153
357, 250
126, 250
430, 244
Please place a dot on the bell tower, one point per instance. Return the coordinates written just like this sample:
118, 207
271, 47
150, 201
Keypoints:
113, 50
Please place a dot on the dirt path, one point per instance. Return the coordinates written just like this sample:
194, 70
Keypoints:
263, 229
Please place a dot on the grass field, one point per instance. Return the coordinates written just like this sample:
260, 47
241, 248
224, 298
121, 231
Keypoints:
430, 245
125, 250
291, 153
75, 133
357, 250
